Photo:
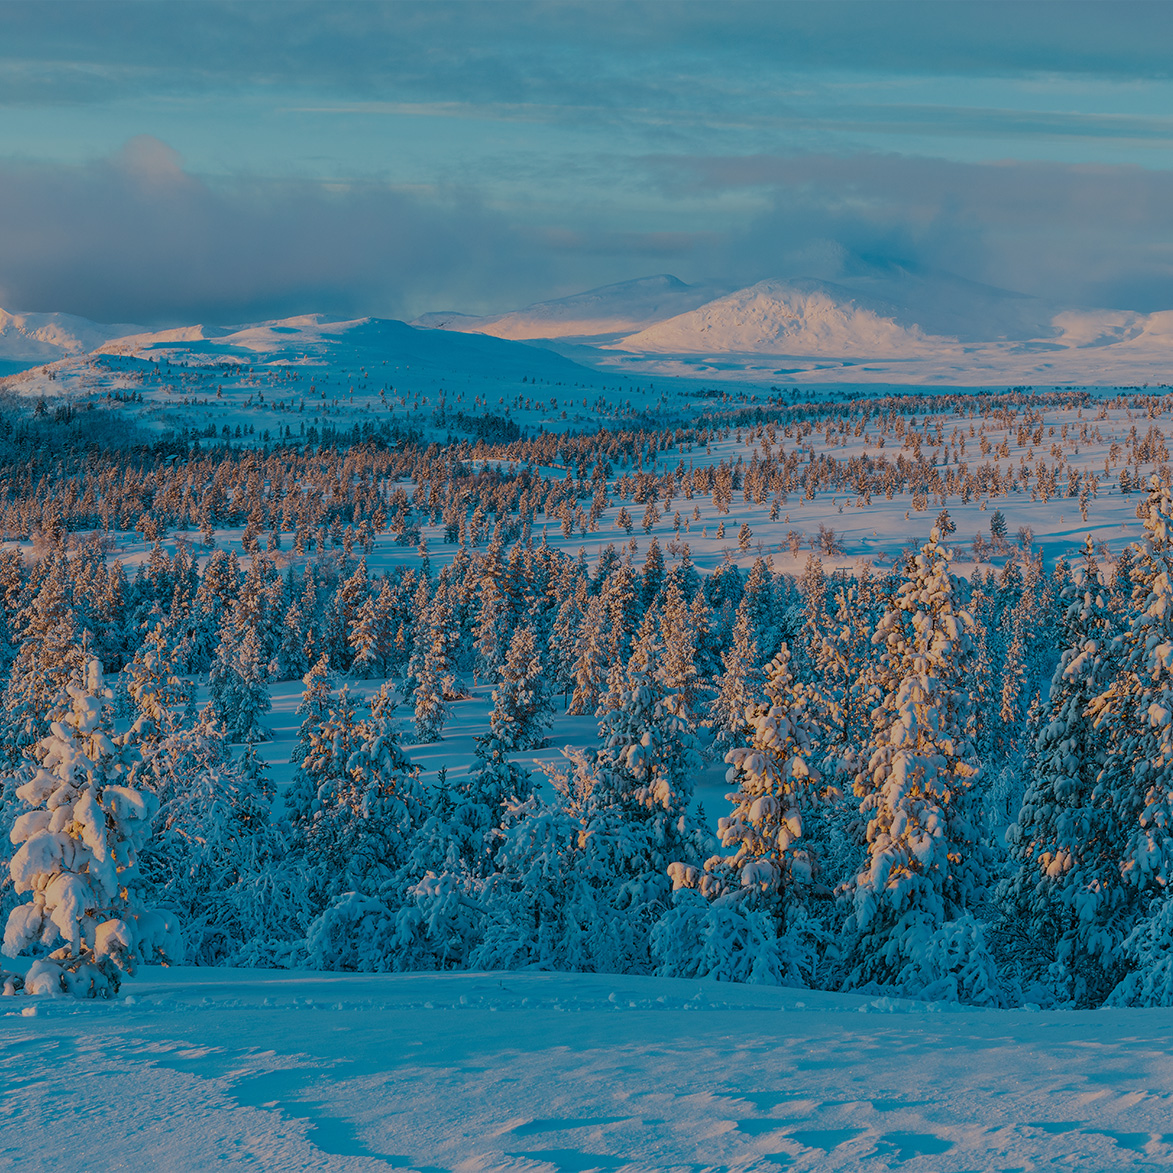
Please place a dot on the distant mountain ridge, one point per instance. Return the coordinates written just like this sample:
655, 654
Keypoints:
49, 337
610, 310
876, 323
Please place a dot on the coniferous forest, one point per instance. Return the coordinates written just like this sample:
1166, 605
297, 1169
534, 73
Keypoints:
943, 783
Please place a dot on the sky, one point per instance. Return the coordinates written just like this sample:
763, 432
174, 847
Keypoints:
169, 161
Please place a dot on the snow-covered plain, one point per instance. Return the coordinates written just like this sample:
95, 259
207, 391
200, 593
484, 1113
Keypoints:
195, 1069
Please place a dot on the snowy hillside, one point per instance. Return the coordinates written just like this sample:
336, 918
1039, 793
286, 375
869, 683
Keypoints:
876, 325
29, 338
552, 1072
784, 317
328, 373
310, 337
612, 309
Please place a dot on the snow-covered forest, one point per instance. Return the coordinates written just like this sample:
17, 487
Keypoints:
946, 741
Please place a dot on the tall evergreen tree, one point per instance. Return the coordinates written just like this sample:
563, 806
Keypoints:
79, 844
1057, 846
521, 705
926, 863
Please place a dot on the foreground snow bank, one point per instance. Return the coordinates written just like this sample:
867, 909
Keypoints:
198, 1068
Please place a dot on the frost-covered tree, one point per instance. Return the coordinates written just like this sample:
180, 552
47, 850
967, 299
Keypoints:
358, 828
543, 907
1132, 843
239, 688
753, 894
217, 857
78, 852
736, 686
521, 705
313, 706
926, 863
1057, 846
372, 638
432, 666
678, 668
589, 668
156, 695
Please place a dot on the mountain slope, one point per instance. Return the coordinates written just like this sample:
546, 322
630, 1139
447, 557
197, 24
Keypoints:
786, 317
48, 337
611, 309
314, 338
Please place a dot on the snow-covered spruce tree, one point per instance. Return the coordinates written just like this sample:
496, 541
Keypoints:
521, 706
1147, 953
588, 670
50, 653
1132, 842
678, 668
742, 917
926, 863
563, 641
313, 707
1057, 846
736, 686
480, 804
432, 667
239, 689
545, 903
372, 638
492, 625
217, 857
358, 833
157, 696
79, 845
636, 811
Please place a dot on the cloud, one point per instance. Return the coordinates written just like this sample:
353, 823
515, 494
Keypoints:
601, 52
136, 238
1090, 234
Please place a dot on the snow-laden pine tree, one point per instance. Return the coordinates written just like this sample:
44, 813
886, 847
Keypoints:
926, 866
358, 828
157, 696
737, 685
742, 917
313, 707
563, 641
678, 668
239, 688
372, 639
1132, 845
432, 665
79, 843
545, 903
480, 804
217, 858
1061, 869
50, 654
636, 809
521, 705
588, 669
1147, 952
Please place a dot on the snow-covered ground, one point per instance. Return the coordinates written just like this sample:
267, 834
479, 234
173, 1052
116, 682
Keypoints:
197, 1069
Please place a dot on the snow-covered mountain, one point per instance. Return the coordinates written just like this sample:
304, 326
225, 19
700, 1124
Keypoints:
784, 317
609, 310
48, 337
313, 339
889, 313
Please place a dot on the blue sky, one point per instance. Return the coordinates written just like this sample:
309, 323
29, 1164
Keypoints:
168, 161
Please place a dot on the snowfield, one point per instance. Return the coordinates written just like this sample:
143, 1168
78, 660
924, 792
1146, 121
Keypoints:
192, 1069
